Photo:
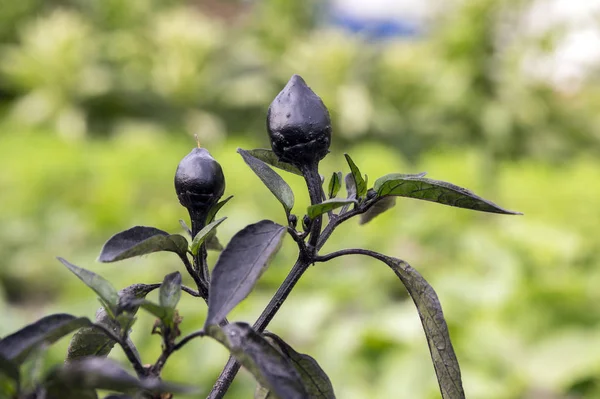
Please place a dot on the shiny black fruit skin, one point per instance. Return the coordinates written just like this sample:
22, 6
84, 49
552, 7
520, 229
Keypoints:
299, 124
199, 181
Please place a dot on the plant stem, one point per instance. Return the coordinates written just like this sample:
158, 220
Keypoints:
129, 351
281, 295
200, 263
187, 339
190, 291
202, 287
232, 366
315, 192
351, 251
162, 359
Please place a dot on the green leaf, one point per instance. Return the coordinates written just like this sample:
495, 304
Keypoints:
280, 189
164, 313
316, 210
141, 240
17, 346
170, 291
335, 184
380, 206
315, 380
32, 369
99, 284
270, 368
102, 373
185, 227
269, 157
91, 341
203, 234
359, 181
240, 266
212, 213
435, 191
435, 327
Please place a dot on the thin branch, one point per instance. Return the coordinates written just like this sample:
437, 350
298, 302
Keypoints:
350, 251
188, 338
296, 237
315, 190
281, 295
202, 288
190, 291
129, 351
201, 264
225, 379
167, 350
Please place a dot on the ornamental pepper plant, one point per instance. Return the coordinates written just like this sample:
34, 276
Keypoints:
299, 129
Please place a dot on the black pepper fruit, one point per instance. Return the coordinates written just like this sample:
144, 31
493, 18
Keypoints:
299, 125
199, 183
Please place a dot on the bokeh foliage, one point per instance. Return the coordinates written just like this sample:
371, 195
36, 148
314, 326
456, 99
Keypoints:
98, 67
98, 100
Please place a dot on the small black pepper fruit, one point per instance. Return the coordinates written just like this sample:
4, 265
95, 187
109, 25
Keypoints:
199, 182
293, 221
306, 223
299, 125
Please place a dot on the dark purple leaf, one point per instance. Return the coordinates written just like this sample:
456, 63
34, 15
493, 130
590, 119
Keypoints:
380, 206
435, 327
107, 293
17, 346
269, 157
102, 373
141, 240
315, 380
240, 265
270, 368
435, 191
280, 189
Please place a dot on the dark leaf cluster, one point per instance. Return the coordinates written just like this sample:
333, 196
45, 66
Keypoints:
300, 130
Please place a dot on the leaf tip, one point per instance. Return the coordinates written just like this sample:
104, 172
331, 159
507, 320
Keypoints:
64, 261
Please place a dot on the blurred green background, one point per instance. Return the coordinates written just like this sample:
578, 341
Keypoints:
99, 100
